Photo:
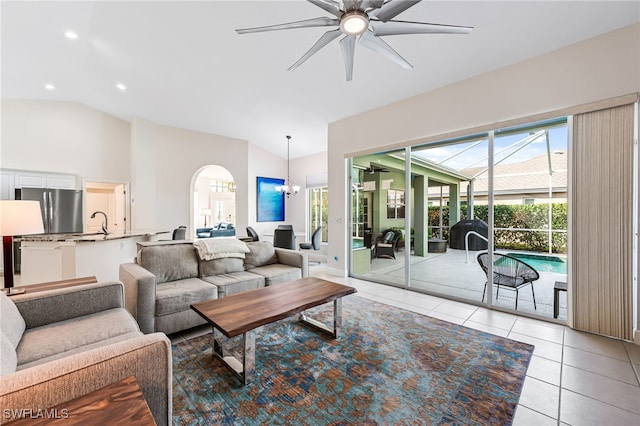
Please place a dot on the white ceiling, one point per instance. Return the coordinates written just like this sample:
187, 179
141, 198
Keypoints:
185, 66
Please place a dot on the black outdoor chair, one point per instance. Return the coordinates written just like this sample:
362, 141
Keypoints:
284, 238
387, 245
508, 272
315, 241
252, 233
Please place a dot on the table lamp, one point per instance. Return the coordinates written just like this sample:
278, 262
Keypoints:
206, 213
17, 217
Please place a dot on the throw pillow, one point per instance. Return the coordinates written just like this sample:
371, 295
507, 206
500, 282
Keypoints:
8, 357
12, 324
260, 253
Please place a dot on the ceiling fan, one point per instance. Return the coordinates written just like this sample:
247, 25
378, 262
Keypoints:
375, 169
369, 19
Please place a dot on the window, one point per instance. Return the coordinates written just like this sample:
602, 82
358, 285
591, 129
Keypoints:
222, 186
395, 204
318, 210
528, 201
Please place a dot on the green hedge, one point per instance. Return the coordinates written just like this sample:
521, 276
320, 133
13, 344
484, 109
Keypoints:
531, 216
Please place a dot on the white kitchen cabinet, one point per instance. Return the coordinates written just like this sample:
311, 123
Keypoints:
7, 185
43, 180
61, 181
30, 180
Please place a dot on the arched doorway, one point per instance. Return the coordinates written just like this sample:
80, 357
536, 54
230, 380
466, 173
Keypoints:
214, 197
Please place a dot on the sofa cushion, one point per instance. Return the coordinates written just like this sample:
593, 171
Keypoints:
235, 282
170, 262
277, 273
8, 358
176, 296
12, 324
77, 334
221, 266
260, 253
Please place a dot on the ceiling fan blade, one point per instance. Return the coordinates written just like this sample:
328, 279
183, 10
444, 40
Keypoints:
352, 4
392, 8
307, 23
403, 27
330, 6
348, 45
326, 38
370, 41
371, 4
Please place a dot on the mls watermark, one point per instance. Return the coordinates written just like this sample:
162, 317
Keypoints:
30, 413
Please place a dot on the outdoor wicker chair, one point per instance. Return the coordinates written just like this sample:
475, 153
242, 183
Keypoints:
387, 245
508, 272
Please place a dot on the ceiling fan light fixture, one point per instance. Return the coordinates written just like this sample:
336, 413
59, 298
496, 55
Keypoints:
354, 22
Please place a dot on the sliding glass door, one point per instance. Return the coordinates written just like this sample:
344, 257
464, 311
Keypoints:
430, 229
448, 235
378, 216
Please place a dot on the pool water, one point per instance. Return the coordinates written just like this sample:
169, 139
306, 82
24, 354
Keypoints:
542, 263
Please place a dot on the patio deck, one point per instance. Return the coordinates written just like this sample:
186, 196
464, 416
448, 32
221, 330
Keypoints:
449, 274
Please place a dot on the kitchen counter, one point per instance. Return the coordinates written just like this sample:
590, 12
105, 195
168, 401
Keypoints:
92, 237
53, 257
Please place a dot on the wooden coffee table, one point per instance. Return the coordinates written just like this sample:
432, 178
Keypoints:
242, 314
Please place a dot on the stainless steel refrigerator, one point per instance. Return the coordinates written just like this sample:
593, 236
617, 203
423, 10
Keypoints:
61, 208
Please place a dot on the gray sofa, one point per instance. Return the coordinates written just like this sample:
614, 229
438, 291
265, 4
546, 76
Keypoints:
167, 278
58, 345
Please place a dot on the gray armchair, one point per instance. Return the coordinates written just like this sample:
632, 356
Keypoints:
96, 342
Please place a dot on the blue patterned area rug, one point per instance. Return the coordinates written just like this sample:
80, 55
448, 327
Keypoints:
390, 366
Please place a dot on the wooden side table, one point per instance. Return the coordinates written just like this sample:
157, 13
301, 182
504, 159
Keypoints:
53, 285
120, 403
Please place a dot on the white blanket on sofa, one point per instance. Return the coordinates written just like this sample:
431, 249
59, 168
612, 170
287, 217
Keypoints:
217, 248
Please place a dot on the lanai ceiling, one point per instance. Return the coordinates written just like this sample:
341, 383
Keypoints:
185, 66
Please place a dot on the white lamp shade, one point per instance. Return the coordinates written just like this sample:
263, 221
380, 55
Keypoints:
20, 217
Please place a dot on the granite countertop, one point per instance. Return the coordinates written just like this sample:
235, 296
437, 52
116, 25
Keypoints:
91, 237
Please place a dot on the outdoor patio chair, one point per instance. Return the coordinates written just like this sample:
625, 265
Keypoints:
386, 245
508, 272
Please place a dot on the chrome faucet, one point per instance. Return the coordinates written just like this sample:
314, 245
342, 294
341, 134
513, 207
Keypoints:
105, 229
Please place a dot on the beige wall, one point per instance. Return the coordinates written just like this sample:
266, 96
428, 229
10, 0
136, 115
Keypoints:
165, 161
159, 161
592, 70
64, 137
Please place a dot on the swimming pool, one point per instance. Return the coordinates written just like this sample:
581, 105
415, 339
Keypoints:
542, 262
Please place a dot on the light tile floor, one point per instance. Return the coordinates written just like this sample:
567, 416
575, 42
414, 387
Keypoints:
574, 378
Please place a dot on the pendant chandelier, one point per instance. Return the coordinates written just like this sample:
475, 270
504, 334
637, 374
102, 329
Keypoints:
288, 188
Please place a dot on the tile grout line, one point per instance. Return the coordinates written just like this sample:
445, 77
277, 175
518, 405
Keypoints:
564, 337
633, 367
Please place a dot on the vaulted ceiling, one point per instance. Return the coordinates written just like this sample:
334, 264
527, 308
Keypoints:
183, 64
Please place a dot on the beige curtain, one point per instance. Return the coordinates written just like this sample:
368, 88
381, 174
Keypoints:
602, 221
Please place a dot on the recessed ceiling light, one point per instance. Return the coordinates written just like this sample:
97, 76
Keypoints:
121, 87
70, 35
49, 86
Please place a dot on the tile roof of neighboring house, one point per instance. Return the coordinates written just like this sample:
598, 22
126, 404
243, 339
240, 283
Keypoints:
524, 177
527, 176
